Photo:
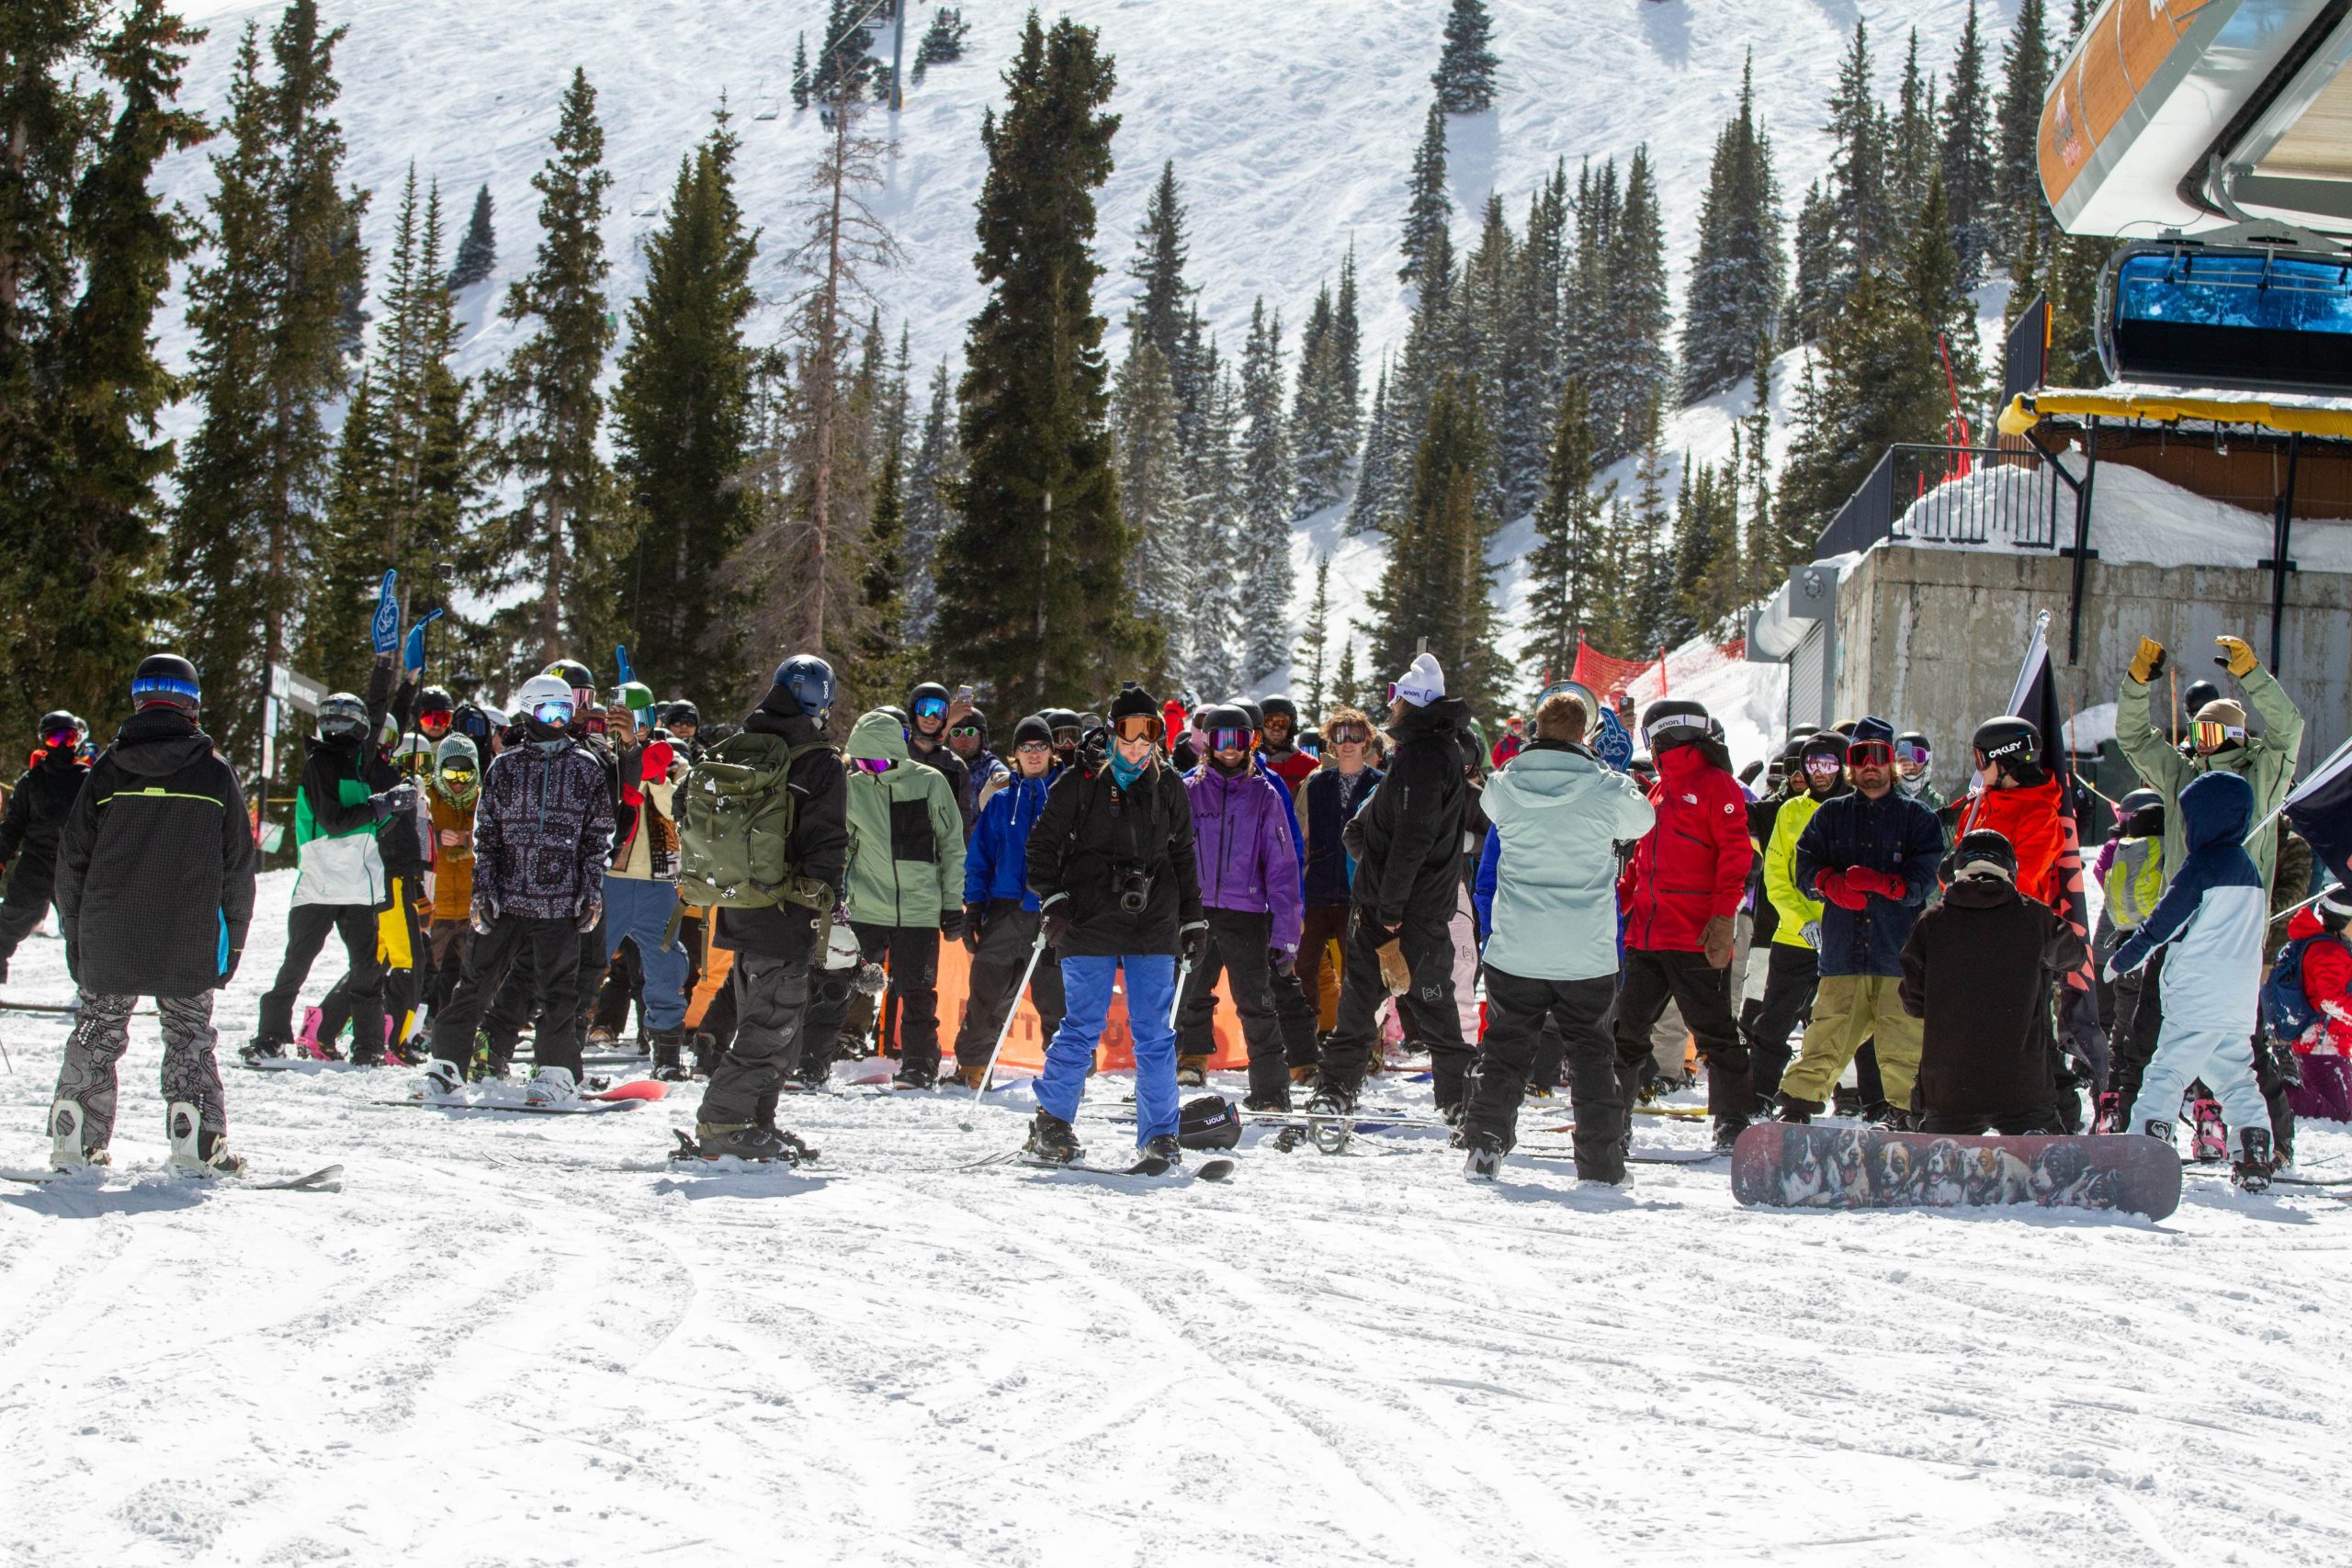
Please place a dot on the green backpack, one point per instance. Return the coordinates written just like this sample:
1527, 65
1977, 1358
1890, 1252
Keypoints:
735, 819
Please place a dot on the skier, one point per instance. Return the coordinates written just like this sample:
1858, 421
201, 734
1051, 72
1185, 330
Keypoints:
38, 809
776, 942
2210, 924
2017, 799
154, 891
1559, 815
1247, 873
1977, 971
1680, 893
543, 836
1332, 795
925, 733
1405, 890
1872, 856
449, 802
1000, 919
1294, 1014
1111, 861
1280, 749
1792, 968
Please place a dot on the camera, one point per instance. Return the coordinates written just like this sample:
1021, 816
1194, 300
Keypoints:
1134, 884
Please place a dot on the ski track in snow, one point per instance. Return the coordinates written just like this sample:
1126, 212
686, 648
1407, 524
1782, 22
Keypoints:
526, 1341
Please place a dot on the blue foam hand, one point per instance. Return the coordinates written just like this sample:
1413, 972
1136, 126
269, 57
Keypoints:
384, 631
1612, 745
620, 661
412, 655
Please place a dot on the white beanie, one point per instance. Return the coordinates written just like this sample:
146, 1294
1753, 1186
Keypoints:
1423, 683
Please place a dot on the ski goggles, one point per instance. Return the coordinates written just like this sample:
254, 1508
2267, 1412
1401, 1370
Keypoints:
556, 711
1869, 754
1676, 729
874, 764
1066, 735
1136, 726
61, 740
931, 707
1228, 740
459, 778
1350, 734
1821, 765
2211, 736
1911, 754
437, 724
1032, 748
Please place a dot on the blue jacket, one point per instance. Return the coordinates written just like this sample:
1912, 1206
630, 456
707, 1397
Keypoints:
2213, 916
1481, 889
1326, 861
1892, 833
996, 863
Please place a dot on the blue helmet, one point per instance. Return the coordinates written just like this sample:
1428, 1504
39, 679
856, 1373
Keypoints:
809, 680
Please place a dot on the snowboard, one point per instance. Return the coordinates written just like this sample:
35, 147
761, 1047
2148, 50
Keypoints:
68, 1009
1783, 1166
326, 1179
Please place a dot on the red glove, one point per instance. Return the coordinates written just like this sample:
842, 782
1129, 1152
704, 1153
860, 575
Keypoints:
1885, 884
1838, 886
658, 757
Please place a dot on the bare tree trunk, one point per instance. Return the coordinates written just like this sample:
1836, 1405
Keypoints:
822, 372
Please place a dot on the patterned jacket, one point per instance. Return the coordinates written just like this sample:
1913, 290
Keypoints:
543, 831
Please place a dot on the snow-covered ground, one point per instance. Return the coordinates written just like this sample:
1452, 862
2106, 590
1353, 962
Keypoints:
516, 1341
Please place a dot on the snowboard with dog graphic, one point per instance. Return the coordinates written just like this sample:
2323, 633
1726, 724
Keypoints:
1782, 1166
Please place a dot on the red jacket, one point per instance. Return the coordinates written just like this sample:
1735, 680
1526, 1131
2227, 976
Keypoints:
1694, 866
2027, 817
2327, 984
1292, 767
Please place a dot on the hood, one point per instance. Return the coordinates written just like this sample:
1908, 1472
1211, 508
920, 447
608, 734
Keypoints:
1545, 776
1979, 893
158, 743
795, 729
1679, 764
2214, 808
1436, 718
2304, 922
877, 734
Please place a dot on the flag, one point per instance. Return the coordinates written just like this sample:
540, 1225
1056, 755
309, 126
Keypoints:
2035, 697
2321, 810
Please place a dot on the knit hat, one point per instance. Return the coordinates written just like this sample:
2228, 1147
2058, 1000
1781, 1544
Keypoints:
1423, 683
2223, 710
1133, 701
1872, 727
1033, 727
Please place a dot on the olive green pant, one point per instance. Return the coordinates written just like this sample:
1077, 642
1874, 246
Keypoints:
1847, 1011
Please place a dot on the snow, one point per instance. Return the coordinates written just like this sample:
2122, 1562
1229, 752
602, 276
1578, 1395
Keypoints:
521, 1341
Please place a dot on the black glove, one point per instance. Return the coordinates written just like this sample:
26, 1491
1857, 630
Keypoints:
1055, 920
1095, 748
1280, 961
976, 919
1194, 936
397, 801
950, 923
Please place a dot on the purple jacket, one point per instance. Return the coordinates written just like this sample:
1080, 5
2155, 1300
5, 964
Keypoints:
1241, 841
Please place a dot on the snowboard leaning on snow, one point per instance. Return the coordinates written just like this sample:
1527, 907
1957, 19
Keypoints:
1781, 1166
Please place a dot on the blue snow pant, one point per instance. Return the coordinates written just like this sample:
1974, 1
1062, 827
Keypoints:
637, 908
1151, 996
2222, 1057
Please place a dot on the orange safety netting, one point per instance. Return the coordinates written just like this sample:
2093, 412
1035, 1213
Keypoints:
1647, 680
1604, 676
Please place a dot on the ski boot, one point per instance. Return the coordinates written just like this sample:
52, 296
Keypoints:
602, 1038
1485, 1160
66, 1149
551, 1086
2211, 1142
195, 1151
1797, 1113
1726, 1133
1160, 1156
1538, 1091
2250, 1172
913, 1075
1846, 1101
1326, 1110
1192, 1072
444, 1081
1268, 1104
669, 1051
1051, 1139
402, 1053
963, 1076
262, 1049
308, 1045
2108, 1119
746, 1141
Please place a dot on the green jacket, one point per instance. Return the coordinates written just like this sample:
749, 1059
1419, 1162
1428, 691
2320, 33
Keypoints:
2265, 760
906, 837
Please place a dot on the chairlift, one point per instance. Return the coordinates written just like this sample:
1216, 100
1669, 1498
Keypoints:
765, 103
646, 202
2258, 307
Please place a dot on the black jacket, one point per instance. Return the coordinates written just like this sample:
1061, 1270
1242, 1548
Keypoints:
156, 869
37, 807
1411, 827
819, 846
1978, 969
1089, 832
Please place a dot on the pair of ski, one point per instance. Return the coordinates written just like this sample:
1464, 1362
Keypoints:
620, 1097
1216, 1169
326, 1179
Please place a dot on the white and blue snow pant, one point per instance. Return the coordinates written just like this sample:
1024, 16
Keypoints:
641, 908
103, 1032
1152, 996
2222, 1057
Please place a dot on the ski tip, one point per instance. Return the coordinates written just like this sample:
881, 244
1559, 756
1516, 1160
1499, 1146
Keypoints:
639, 1088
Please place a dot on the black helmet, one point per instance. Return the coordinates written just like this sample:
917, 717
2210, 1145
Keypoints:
1913, 738
975, 719
1280, 703
342, 716
2140, 813
434, 699
574, 674
1257, 715
1984, 853
928, 691
1208, 1122
1221, 716
1063, 725
1674, 721
681, 712
2012, 743
56, 721
472, 721
166, 679
809, 681
2196, 694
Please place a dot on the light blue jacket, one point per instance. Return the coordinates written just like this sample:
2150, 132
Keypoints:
1560, 815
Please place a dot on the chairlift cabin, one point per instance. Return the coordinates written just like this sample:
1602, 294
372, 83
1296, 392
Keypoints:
765, 103
647, 201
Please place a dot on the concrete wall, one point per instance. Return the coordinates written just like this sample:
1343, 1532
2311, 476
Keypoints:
1931, 638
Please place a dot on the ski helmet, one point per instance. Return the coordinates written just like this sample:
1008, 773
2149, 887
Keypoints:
1985, 853
1208, 1122
2009, 742
166, 679
1223, 727
434, 699
2140, 813
928, 700
576, 675
473, 722
809, 680
1064, 726
58, 727
1255, 714
416, 754
2335, 907
1674, 721
1912, 749
2196, 694
1280, 703
681, 712
547, 705
342, 716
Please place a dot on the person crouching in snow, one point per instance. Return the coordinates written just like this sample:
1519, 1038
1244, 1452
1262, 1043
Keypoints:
2210, 924
1977, 969
2322, 967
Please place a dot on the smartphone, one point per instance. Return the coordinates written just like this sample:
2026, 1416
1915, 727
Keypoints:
963, 694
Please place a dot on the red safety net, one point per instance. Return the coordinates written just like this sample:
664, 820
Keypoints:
1604, 676
1647, 680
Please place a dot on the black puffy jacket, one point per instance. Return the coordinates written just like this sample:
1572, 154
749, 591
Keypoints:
37, 807
1979, 967
1090, 830
155, 868
1411, 827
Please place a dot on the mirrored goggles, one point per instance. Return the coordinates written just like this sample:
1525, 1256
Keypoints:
553, 710
1136, 726
1869, 754
874, 764
1348, 735
434, 724
1228, 740
2211, 736
459, 778
931, 707
1911, 754
61, 740
1821, 764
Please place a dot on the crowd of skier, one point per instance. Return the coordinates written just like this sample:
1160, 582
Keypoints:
1826, 930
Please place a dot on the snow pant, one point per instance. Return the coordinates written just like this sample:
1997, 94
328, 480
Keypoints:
1295, 1011
2222, 1057
1427, 944
543, 955
1517, 1010
640, 910
20, 911
1669, 1044
913, 955
1237, 948
2139, 1016
1006, 938
1704, 993
2023, 1121
622, 987
1323, 924
1791, 974
1847, 1009
306, 926
447, 941
103, 1032
1151, 993
772, 1008
2326, 1088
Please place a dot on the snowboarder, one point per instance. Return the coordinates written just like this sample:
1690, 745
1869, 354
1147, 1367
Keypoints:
1793, 969
2017, 799
1280, 749
924, 730
641, 893
38, 809
449, 803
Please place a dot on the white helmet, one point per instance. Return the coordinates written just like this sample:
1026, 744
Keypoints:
544, 689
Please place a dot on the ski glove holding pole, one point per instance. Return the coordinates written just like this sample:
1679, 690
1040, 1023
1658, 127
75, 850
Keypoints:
1194, 939
1053, 923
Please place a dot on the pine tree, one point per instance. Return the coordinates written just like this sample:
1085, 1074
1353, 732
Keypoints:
844, 69
1039, 555
931, 478
1564, 585
1532, 370
1215, 589
1912, 150
1635, 375
1740, 269
1768, 554
1375, 478
1941, 302
1161, 313
1264, 563
800, 71
1813, 300
1464, 77
2025, 82
1429, 206
1487, 343
1314, 655
562, 539
1879, 384
1154, 497
1857, 190
1645, 561
943, 42
1966, 158
1437, 586
1588, 326
1706, 553
477, 252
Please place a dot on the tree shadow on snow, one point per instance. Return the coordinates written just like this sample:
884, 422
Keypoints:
1666, 25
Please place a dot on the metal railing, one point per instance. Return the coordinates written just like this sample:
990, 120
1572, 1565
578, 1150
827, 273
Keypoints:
1949, 495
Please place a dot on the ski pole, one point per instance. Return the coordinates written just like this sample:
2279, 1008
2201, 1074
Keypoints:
1175, 1002
1036, 951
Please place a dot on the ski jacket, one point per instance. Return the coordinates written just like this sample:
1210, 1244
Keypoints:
1558, 815
2327, 985
1293, 766
334, 828
1794, 907
905, 835
1290, 814
1483, 882
2028, 817
1692, 866
2133, 879
38, 809
996, 863
452, 865
1411, 826
819, 846
2267, 761
1978, 968
1242, 849
1332, 798
645, 846
1089, 833
941, 760
543, 831
155, 865
984, 774
1892, 834
2213, 915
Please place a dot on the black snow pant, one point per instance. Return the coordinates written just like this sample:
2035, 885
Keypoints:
2026, 1122
28, 901
1324, 925
1236, 947
1295, 1009
772, 1006
1791, 974
190, 1075
912, 953
448, 941
623, 986
1517, 1010
306, 926
2139, 1016
1427, 943
1007, 936
544, 954
1703, 992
